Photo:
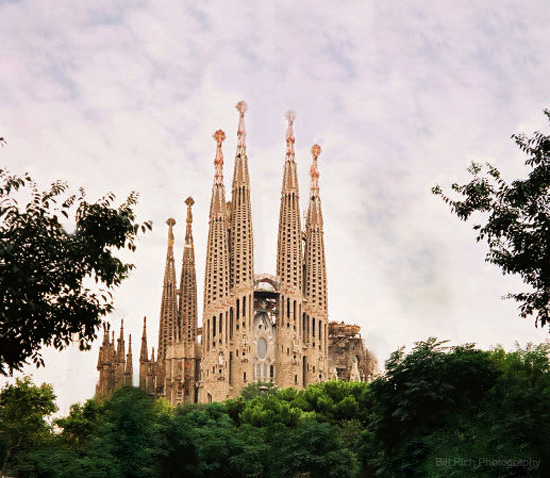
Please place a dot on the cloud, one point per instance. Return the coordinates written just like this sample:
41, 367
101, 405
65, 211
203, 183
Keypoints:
401, 96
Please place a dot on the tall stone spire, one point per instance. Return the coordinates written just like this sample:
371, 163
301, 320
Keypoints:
188, 283
289, 271
216, 279
217, 286
144, 367
289, 244
129, 368
144, 351
121, 346
241, 240
168, 330
314, 255
120, 358
315, 280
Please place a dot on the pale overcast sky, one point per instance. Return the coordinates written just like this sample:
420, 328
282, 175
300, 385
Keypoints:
120, 96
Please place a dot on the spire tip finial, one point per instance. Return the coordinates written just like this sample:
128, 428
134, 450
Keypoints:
241, 132
316, 150
290, 115
314, 172
189, 202
219, 136
171, 223
241, 107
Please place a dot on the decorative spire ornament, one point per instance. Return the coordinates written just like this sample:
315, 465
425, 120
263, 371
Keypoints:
219, 136
171, 223
314, 171
290, 115
189, 221
241, 107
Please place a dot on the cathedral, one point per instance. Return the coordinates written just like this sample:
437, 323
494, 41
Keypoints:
255, 327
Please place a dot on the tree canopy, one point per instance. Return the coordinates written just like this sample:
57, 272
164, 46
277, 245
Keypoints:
439, 411
24, 408
517, 221
47, 272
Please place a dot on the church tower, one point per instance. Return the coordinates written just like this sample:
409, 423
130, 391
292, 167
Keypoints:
315, 319
242, 266
217, 296
291, 364
255, 327
168, 329
188, 347
145, 365
187, 311
105, 366
114, 364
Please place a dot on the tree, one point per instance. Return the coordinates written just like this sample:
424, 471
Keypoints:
517, 229
433, 388
315, 450
80, 426
23, 411
44, 269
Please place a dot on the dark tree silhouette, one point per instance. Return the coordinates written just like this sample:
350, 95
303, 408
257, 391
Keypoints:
517, 224
46, 299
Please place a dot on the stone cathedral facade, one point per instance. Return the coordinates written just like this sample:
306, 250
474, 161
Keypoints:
255, 327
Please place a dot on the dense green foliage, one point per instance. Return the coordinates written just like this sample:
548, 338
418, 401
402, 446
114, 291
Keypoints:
517, 221
44, 268
439, 411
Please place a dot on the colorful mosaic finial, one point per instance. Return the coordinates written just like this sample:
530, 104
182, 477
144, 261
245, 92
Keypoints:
241, 107
314, 171
219, 136
290, 139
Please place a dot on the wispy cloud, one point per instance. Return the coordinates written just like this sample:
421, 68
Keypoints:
126, 95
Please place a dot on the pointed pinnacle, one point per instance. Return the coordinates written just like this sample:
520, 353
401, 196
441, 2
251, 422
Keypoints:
171, 223
189, 220
189, 202
219, 136
316, 150
105, 334
241, 107
314, 171
290, 115
290, 139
